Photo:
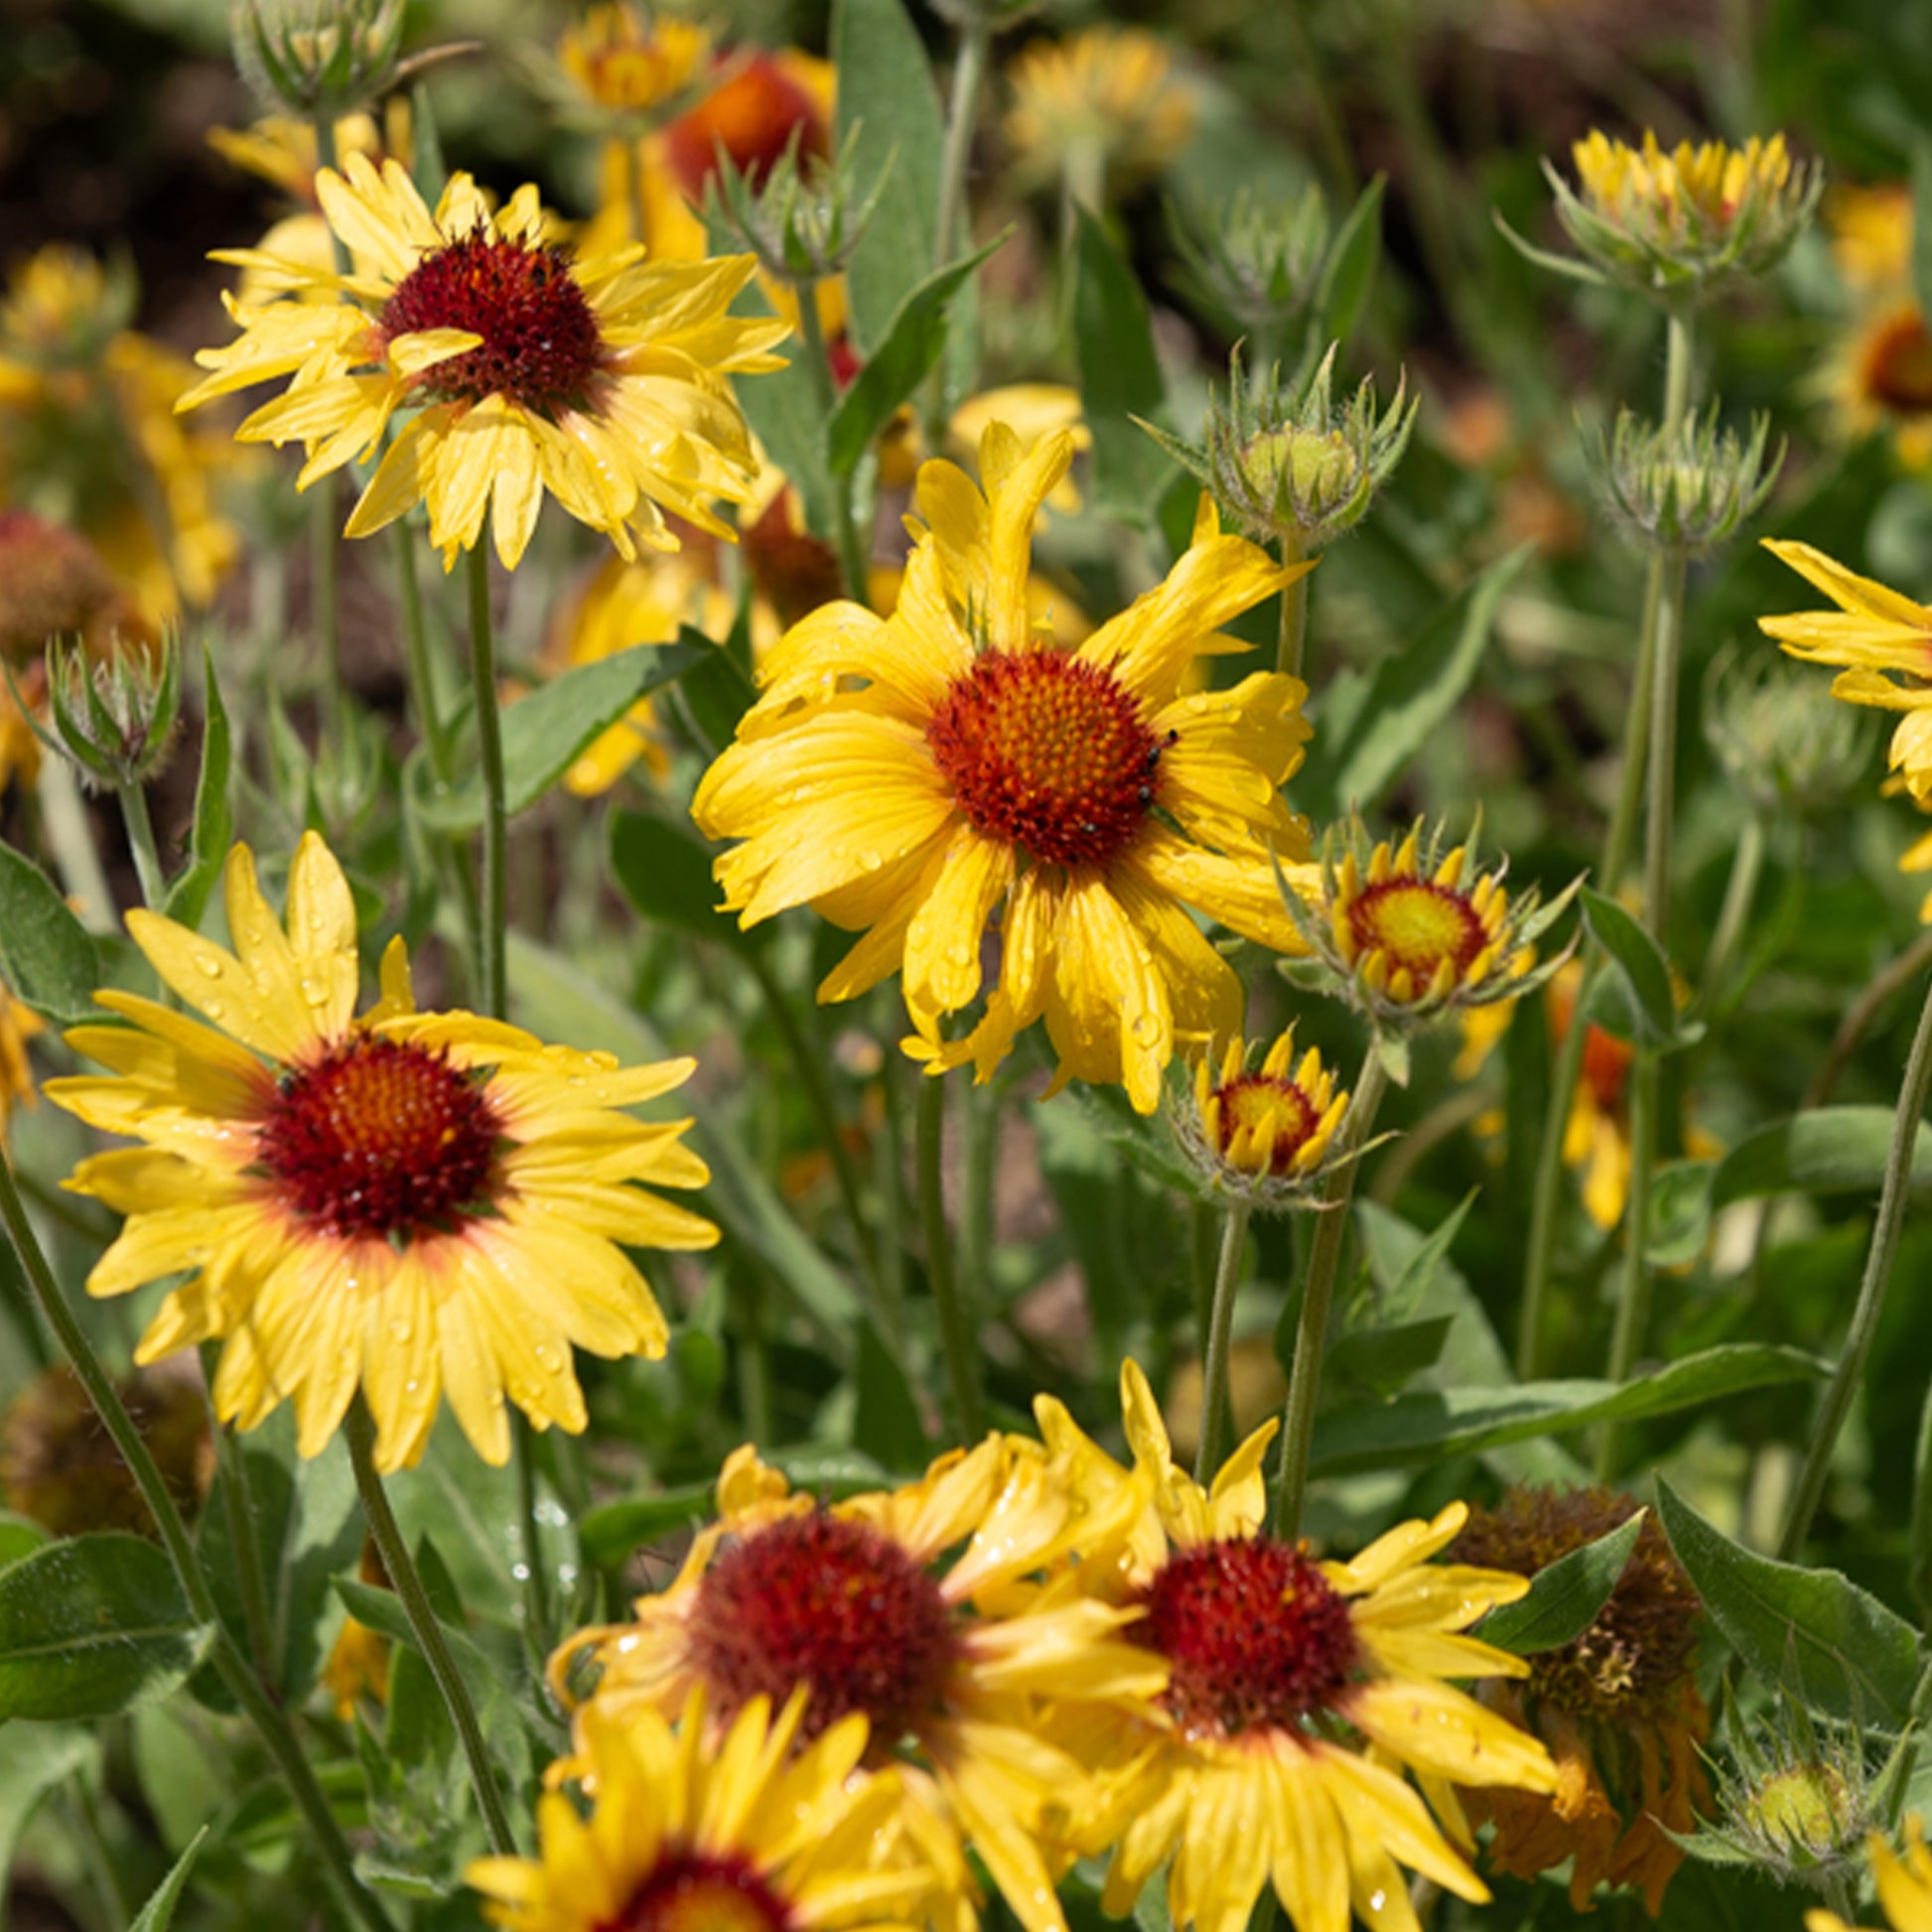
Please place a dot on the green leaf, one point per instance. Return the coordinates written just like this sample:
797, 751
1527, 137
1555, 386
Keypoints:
1350, 270
544, 733
1369, 739
33, 1761
788, 416
1828, 1150
158, 1914
1919, 1561
666, 874
1811, 1631
887, 92
1456, 1422
714, 694
207, 847
1565, 1598
1640, 965
47, 957
20, 1536
1381, 1361
92, 1625
903, 359
886, 1422
1679, 1213
610, 1531
1120, 378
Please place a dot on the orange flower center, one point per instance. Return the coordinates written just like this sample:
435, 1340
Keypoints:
1418, 925
381, 1138
540, 347
1256, 1634
1898, 365
833, 1605
1252, 1099
751, 117
1048, 754
693, 1892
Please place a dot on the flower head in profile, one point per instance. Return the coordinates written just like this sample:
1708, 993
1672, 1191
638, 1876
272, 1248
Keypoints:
1411, 932
1904, 1881
919, 777
1877, 373
524, 370
1106, 97
1298, 1693
1617, 1706
1882, 640
418, 1205
1677, 224
621, 63
912, 1609
757, 1831
1262, 1133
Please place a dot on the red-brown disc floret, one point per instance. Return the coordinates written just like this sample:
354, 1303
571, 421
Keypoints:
382, 1137
694, 1891
1256, 1634
830, 1603
542, 345
1047, 752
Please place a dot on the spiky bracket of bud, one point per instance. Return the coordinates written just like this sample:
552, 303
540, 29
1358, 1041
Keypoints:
1783, 740
114, 719
1684, 490
328, 57
1257, 261
806, 216
1286, 464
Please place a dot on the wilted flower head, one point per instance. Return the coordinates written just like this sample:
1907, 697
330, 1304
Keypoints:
1685, 488
1107, 92
1261, 1134
1287, 464
1677, 225
1783, 741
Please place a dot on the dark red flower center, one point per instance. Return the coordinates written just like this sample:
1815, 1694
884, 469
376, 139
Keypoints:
1898, 365
1418, 925
818, 1600
1048, 754
692, 1891
1256, 1634
542, 345
1253, 1099
382, 1137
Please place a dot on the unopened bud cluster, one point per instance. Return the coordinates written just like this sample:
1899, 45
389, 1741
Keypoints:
1784, 742
114, 717
1260, 261
1290, 466
326, 57
804, 218
1686, 488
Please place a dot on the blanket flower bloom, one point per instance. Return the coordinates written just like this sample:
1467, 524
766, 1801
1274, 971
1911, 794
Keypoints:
1262, 1134
755, 1837
779, 1594
421, 1203
599, 380
912, 777
1252, 1767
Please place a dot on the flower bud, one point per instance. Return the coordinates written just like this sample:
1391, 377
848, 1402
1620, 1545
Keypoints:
1261, 1135
1257, 261
328, 56
805, 217
1686, 489
1783, 740
114, 717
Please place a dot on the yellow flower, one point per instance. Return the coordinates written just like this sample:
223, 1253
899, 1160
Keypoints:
1618, 1705
764, 1832
626, 61
1297, 1692
358, 1661
1108, 92
1905, 1885
1872, 235
602, 381
780, 1594
424, 1203
1880, 378
914, 777
1884, 642
19, 1024
1262, 1134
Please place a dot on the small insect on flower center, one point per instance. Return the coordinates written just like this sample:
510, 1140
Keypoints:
1048, 754
1256, 1634
818, 1600
691, 1892
1418, 925
1898, 367
382, 1137
1259, 1102
542, 345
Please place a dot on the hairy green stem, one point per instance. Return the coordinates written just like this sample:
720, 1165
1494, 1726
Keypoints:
492, 930
957, 1330
148, 869
1311, 1330
359, 1429
72, 839
1735, 915
1634, 1289
243, 1686
1850, 1372
1660, 805
238, 1510
325, 511
1621, 837
1292, 641
1221, 1325
1546, 1192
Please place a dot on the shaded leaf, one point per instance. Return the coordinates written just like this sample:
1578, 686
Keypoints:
886, 1418
1564, 1596
1120, 378
20, 1536
666, 874
158, 1914
47, 957
1828, 1150
1640, 963
213, 829
1349, 271
611, 1531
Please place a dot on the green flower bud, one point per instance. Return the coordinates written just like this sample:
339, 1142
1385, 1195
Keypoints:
325, 57
114, 717
1686, 489
805, 217
1784, 742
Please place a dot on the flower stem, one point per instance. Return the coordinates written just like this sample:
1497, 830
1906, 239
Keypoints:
1661, 797
238, 1508
1220, 1323
359, 1429
141, 842
1547, 1190
241, 1682
819, 359
1312, 1331
489, 754
1636, 737
64, 813
1633, 1293
957, 1327
1739, 891
1293, 639
1871, 1291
